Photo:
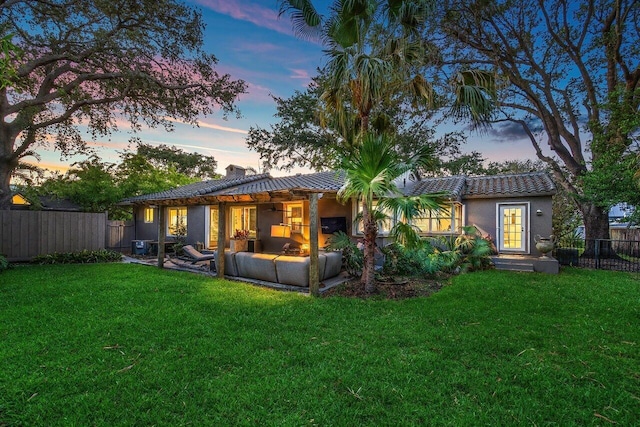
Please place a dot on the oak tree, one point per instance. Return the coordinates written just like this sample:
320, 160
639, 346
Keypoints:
571, 79
88, 64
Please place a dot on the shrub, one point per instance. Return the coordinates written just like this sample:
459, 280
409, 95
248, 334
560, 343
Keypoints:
180, 234
352, 256
80, 257
4, 263
398, 260
467, 252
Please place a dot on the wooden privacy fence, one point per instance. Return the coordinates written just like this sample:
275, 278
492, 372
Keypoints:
120, 234
26, 234
632, 233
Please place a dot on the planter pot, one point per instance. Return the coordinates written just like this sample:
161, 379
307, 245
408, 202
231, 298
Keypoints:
240, 245
544, 245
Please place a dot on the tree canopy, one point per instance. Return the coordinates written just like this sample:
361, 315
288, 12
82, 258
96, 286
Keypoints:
373, 80
569, 75
193, 165
98, 186
300, 138
91, 63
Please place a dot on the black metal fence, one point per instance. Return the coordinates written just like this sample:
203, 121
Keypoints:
606, 254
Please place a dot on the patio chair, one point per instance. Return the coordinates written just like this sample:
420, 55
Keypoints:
196, 256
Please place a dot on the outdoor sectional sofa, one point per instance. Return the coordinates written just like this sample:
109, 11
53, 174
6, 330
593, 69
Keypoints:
284, 269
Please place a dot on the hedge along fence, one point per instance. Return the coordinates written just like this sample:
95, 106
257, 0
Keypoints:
27, 234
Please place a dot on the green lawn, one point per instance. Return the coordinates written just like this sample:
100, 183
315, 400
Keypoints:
117, 344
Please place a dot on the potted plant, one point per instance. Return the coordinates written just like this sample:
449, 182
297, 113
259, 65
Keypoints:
239, 242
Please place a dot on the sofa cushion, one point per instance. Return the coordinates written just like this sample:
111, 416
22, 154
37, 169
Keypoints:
333, 264
292, 270
230, 268
256, 266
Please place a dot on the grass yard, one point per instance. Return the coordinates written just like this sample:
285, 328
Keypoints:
117, 344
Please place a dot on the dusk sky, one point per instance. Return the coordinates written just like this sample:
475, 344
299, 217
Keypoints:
254, 45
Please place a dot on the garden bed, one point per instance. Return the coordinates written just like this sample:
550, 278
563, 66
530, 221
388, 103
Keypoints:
391, 288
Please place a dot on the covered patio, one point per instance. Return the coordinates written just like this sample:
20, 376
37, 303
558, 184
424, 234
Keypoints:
271, 213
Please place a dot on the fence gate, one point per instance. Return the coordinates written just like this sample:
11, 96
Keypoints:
119, 235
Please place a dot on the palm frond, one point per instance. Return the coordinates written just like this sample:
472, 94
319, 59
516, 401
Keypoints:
305, 19
475, 96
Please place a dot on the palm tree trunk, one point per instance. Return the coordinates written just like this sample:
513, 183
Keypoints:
370, 232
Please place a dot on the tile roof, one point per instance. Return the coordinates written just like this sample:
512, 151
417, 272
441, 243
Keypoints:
321, 181
452, 185
532, 183
197, 188
459, 187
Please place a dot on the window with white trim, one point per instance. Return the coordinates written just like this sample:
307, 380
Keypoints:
177, 221
244, 218
445, 220
293, 216
148, 215
384, 227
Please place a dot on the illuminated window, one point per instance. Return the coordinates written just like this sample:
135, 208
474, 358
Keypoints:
148, 215
213, 228
293, 216
244, 218
177, 221
18, 199
445, 220
384, 226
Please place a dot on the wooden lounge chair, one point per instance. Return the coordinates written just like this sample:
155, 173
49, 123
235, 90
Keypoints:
197, 256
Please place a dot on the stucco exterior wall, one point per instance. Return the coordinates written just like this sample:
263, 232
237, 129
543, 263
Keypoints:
483, 214
266, 219
144, 230
149, 230
196, 221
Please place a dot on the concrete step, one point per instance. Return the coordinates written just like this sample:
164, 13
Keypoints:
512, 266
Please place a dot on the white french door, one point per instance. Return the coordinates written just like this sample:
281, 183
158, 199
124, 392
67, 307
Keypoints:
512, 225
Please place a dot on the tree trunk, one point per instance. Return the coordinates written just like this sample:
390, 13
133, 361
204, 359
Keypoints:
596, 226
368, 269
6, 169
8, 159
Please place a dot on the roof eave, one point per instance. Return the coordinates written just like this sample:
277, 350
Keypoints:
508, 195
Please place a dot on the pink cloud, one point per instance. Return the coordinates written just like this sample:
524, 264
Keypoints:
250, 12
257, 47
257, 93
115, 145
52, 166
300, 74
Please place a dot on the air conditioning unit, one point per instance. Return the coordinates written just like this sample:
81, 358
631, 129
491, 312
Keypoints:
140, 247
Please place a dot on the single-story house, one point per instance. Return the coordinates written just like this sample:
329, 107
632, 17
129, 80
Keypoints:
302, 210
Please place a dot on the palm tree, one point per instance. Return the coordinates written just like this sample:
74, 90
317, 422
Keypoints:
406, 209
370, 174
375, 52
